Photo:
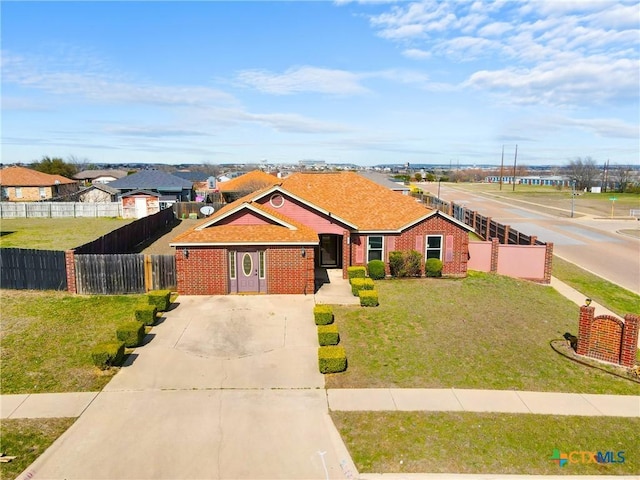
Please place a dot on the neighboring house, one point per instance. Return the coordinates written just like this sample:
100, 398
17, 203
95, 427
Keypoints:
169, 187
98, 193
20, 184
88, 177
385, 181
238, 187
271, 240
140, 203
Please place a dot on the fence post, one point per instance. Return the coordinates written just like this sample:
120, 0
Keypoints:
506, 234
629, 341
548, 262
70, 265
148, 273
584, 329
495, 245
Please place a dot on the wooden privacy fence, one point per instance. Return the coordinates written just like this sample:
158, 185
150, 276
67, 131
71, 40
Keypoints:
485, 227
124, 273
59, 209
126, 238
27, 269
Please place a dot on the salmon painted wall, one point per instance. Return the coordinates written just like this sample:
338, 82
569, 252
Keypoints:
479, 256
245, 217
305, 215
521, 261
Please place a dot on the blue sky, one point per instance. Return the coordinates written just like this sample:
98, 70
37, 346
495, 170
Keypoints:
365, 82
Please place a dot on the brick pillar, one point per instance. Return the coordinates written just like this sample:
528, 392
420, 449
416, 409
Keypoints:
70, 265
495, 243
346, 252
629, 343
487, 234
533, 240
506, 234
584, 329
548, 262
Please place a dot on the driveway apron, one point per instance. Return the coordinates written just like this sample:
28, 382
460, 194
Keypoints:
224, 387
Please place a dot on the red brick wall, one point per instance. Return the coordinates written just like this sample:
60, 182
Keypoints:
70, 265
406, 241
288, 272
608, 338
205, 271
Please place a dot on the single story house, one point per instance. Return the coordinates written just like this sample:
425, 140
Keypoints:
20, 184
272, 240
169, 187
97, 193
88, 177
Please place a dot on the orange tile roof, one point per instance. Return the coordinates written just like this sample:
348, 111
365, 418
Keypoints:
250, 181
356, 199
26, 177
216, 234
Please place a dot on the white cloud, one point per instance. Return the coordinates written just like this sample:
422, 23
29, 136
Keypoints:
416, 53
302, 80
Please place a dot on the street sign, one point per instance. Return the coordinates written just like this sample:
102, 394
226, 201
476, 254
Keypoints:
613, 199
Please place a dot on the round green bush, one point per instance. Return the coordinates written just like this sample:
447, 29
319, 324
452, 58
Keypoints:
376, 269
433, 267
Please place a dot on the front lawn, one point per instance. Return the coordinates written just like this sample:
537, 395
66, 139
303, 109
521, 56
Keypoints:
485, 331
487, 443
27, 439
611, 296
47, 336
55, 233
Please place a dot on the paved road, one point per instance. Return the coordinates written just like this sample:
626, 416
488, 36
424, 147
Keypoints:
594, 244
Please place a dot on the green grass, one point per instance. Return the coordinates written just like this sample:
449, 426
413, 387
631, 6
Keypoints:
27, 439
55, 233
47, 339
485, 331
615, 298
485, 443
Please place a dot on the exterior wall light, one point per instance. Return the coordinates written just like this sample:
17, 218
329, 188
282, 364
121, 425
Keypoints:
185, 252
303, 252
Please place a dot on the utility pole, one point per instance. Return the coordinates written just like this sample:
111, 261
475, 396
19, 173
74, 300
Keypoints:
515, 159
501, 167
573, 195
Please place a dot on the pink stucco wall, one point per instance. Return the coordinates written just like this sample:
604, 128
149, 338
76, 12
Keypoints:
521, 261
479, 256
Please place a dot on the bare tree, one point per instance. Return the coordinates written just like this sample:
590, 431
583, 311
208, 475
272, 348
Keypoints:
583, 171
622, 175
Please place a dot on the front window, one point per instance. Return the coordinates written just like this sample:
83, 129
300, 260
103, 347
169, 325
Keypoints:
18, 192
261, 266
434, 247
43, 194
232, 265
374, 248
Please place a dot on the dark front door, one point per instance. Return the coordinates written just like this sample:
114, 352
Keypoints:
247, 265
330, 250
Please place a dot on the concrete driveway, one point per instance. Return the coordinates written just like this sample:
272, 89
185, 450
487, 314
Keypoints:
226, 387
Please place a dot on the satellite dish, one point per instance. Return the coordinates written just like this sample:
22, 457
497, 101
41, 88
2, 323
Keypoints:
207, 210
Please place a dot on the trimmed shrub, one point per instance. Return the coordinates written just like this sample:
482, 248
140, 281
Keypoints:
405, 264
396, 264
105, 355
160, 298
328, 334
332, 359
323, 314
413, 263
369, 298
358, 284
131, 333
376, 269
146, 314
433, 267
356, 272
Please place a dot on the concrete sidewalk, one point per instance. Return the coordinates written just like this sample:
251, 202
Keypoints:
48, 405
499, 401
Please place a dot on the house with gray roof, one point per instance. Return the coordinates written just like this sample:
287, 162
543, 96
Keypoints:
170, 187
